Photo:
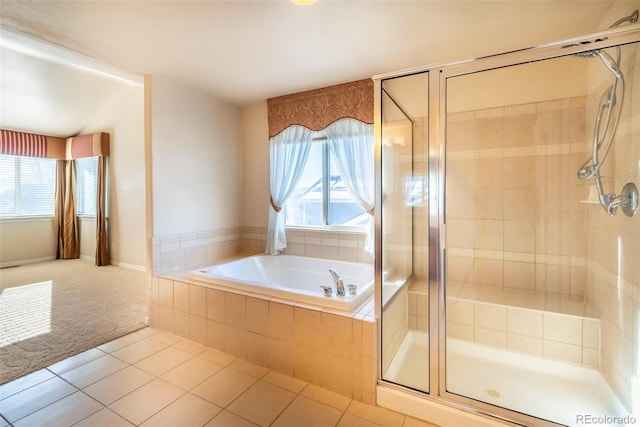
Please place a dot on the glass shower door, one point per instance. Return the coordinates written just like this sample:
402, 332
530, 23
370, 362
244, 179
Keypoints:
405, 340
539, 307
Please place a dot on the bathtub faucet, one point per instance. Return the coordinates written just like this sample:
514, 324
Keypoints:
338, 280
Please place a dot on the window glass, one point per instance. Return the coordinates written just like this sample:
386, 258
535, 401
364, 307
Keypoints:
27, 186
86, 185
343, 209
305, 205
321, 198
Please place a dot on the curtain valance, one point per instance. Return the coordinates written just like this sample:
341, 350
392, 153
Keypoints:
317, 109
33, 145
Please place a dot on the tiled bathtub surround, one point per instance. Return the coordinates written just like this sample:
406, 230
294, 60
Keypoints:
180, 251
323, 347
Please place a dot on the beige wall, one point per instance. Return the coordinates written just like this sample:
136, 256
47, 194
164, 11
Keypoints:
197, 160
255, 132
32, 240
122, 118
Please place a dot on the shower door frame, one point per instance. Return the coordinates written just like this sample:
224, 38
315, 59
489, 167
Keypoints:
438, 75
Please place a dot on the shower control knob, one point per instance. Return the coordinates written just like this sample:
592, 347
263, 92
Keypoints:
353, 289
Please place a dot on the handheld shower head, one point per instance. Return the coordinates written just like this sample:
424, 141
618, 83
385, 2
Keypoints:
609, 63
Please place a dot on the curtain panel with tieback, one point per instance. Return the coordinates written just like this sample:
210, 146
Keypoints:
289, 152
65, 151
351, 143
294, 120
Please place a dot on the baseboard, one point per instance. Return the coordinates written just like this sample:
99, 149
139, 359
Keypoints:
25, 261
129, 266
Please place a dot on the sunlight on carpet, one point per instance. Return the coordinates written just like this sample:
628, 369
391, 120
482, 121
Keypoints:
55, 309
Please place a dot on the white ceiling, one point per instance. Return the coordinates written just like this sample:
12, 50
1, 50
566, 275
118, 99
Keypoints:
245, 51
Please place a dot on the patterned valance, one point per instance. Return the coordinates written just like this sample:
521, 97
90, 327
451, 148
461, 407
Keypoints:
93, 144
317, 109
32, 145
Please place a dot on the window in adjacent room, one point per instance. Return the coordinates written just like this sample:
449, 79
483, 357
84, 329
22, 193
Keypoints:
27, 186
321, 198
86, 186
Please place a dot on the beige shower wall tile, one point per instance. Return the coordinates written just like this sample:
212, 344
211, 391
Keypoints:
489, 204
562, 328
490, 337
490, 173
489, 272
491, 316
524, 322
519, 125
489, 234
562, 351
524, 344
519, 172
460, 233
519, 275
519, 236
520, 204
489, 129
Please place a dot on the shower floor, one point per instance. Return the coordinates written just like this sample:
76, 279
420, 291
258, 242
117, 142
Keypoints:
551, 390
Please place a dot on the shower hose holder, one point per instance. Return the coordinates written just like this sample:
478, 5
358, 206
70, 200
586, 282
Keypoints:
627, 200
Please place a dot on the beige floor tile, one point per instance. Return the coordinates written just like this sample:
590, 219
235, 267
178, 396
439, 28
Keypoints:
227, 419
93, 371
218, 356
375, 414
126, 340
192, 372
24, 383
139, 350
309, 413
249, 368
191, 347
167, 338
117, 385
414, 422
327, 397
285, 381
143, 403
28, 401
224, 387
164, 360
262, 403
75, 361
187, 411
104, 418
353, 421
64, 412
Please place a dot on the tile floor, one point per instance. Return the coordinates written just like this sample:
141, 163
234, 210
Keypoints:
150, 378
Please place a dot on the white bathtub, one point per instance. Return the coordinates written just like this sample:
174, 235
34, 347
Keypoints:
292, 277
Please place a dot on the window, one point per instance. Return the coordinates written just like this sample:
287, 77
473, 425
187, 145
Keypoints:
321, 198
86, 185
27, 186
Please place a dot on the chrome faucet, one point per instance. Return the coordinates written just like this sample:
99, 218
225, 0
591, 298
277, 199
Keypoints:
338, 280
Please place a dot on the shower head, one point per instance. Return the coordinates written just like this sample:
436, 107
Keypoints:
631, 18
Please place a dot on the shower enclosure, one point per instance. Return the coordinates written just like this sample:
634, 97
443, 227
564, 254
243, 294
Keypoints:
508, 234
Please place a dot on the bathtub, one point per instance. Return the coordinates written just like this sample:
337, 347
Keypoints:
294, 278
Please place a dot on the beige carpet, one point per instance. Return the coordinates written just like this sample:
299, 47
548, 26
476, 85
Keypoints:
52, 310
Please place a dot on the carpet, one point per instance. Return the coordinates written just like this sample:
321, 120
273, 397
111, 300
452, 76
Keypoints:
56, 309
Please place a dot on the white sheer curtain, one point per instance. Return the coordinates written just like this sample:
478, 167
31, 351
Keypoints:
289, 153
351, 143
